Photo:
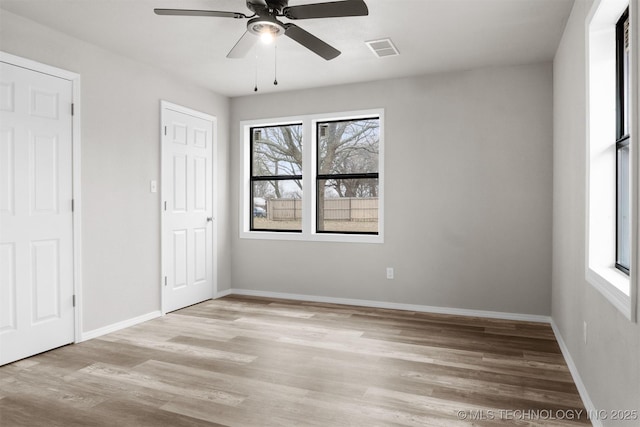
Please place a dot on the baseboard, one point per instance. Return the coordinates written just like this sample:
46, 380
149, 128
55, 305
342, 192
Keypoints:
582, 389
393, 306
222, 294
117, 326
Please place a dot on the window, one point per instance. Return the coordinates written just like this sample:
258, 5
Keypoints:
347, 176
276, 178
611, 190
623, 213
316, 177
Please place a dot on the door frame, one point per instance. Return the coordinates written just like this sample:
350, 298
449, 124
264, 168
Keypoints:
74, 78
166, 105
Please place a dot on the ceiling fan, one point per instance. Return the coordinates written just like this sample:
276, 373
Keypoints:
265, 24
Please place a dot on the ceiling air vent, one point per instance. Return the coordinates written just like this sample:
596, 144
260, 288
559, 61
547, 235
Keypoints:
382, 48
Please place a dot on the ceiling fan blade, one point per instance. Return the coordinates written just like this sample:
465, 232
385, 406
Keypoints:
243, 46
335, 9
210, 13
310, 41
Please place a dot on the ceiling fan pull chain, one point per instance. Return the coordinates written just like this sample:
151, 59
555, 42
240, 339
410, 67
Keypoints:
275, 64
255, 89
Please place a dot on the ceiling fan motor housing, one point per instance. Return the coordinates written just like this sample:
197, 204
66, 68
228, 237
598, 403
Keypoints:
277, 4
265, 24
274, 5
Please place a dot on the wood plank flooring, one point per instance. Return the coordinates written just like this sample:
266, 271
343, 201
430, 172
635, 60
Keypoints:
242, 361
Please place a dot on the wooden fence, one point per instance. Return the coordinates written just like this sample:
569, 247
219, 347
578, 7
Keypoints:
338, 209
284, 209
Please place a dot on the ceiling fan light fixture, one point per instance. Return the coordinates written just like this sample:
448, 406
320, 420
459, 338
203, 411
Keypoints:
265, 27
266, 37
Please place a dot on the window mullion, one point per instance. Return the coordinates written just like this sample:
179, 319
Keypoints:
372, 175
275, 177
308, 181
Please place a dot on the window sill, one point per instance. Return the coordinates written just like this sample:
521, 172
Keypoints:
312, 237
613, 285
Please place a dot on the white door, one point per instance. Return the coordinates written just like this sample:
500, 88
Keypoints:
36, 219
187, 236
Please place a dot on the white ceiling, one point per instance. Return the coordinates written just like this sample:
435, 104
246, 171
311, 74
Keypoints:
431, 35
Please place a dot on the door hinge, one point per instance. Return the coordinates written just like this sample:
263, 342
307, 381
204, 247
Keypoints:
165, 280
165, 206
72, 109
165, 131
73, 205
74, 300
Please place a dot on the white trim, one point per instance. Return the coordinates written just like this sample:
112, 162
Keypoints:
76, 168
634, 106
393, 305
186, 110
620, 290
606, 284
166, 105
77, 205
308, 172
222, 294
582, 389
120, 325
37, 66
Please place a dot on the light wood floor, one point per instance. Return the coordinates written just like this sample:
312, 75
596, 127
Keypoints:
241, 361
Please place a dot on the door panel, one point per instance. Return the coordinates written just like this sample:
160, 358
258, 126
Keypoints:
7, 171
44, 174
187, 190
44, 104
36, 228
180, 258
45, 281
199, 186
179, 184
8, 307
6, 96
200, 255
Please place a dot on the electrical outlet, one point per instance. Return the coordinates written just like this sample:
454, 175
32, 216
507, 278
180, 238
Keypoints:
154, 186
389, 272
584, 332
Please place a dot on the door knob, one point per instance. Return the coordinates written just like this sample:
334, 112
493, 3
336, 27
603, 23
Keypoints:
209, 219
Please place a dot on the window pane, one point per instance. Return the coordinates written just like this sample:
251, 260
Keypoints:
349, 146
276, 150
623, 210
277, 205
348, 205
625, 78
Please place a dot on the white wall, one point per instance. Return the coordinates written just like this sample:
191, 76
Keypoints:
120, 156
609, 364
468, 191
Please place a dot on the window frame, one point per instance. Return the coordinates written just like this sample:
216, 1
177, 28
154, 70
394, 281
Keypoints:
319, 177
309, 171
620, 289
262, 178
623, 123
